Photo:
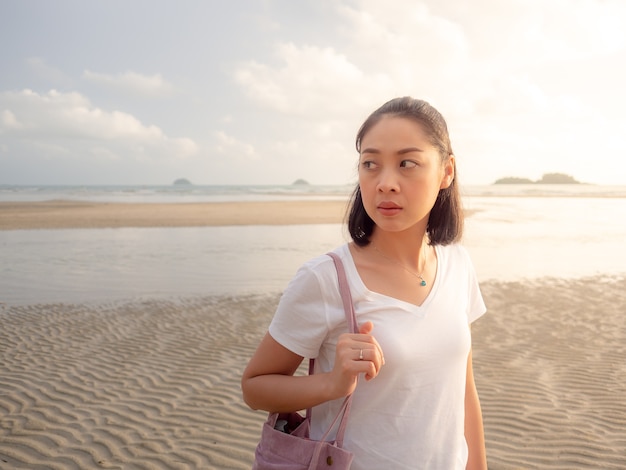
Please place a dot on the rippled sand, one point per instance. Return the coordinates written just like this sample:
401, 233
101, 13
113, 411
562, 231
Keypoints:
550, 365
155, 384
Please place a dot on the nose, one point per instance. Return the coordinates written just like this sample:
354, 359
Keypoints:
388, 182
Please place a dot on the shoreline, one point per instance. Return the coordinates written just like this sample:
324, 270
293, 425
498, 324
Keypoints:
64, 214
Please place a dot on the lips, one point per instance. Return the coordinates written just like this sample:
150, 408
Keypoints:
388, 208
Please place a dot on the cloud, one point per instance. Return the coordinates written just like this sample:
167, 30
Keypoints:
318, 95
50, 74
70, 124
306, 82
9, 121
131, 82
390, 49
404, 40
456, 59
518, 34
566, 30
226, 144
495, 77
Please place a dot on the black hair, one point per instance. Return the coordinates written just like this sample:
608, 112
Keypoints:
445, 223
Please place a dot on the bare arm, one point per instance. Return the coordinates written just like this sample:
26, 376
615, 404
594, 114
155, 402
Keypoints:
474, 431
268, 382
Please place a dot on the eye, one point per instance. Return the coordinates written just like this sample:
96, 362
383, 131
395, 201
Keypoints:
408, 164
368, 165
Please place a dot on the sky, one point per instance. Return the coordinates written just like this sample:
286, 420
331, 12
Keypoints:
244, 92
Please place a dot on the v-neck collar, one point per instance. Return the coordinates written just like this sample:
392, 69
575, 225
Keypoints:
354, 274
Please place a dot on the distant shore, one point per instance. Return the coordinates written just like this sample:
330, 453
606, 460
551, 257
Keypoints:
77, 214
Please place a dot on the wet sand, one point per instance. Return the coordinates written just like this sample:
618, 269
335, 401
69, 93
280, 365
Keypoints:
78, 214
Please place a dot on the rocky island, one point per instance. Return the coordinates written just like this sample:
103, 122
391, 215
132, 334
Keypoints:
547, 178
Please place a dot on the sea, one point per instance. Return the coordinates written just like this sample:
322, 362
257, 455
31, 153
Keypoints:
513, 232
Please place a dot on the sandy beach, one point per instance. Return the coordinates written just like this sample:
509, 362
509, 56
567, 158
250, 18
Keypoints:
154, 384
79, 214
150, 385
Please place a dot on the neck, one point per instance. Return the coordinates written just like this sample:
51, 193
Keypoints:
410, 249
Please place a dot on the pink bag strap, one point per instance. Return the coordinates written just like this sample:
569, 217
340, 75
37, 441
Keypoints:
346, 296
353, 327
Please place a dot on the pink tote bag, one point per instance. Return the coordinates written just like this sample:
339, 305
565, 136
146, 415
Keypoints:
291, 448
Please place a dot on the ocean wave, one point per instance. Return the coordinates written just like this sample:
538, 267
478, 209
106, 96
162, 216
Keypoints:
226, 193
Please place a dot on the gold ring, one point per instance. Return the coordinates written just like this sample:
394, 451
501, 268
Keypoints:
361, 355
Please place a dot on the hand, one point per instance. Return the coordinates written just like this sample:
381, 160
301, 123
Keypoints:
356, 354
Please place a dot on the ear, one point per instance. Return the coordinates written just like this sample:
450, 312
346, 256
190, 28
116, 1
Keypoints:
448, 172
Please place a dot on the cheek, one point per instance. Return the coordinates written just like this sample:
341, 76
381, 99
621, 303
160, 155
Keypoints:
364, 183
368, 195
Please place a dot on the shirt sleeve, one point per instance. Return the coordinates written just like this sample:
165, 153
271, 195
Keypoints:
476, 307
300, 322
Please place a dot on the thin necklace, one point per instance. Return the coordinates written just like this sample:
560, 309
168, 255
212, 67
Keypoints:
419, 276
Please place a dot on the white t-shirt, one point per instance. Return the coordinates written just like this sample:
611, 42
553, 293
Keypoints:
411, 416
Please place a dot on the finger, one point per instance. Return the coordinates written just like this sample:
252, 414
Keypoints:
380, 351
366, 359
366, 328
369, 359
365, 353
371, 371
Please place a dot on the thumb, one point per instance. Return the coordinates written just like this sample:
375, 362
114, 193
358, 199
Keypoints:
366, 328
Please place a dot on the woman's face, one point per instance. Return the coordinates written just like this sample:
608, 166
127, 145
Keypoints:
400, 174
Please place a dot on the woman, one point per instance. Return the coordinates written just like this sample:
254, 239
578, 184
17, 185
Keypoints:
415, 294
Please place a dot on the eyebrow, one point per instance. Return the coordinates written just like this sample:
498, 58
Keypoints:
400, 152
